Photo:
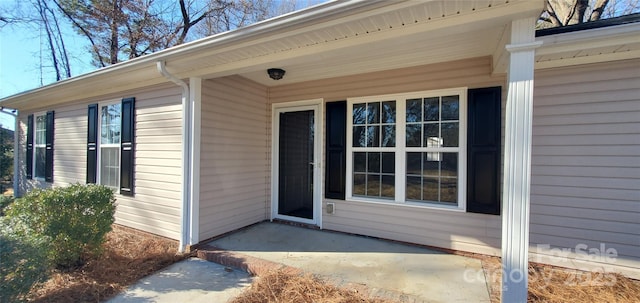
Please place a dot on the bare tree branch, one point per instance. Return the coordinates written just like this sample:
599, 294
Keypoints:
567, 12
60, 45
45, 24
94, 46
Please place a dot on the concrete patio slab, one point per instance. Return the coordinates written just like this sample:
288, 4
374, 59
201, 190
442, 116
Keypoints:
192, 280
388, 269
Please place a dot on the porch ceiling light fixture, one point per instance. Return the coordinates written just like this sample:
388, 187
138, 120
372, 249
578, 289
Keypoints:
276, 73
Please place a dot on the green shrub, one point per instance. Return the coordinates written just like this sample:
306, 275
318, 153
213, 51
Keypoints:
4, 202
76, 219
22, 262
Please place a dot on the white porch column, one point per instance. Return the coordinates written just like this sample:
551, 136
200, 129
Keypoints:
195, 94
517, 161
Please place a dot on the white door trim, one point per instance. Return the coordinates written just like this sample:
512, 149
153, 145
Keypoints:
276, 109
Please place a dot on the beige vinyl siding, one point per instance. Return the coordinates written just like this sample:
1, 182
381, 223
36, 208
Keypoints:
156, 205
585, 185
234, 167
428, 226
70, 145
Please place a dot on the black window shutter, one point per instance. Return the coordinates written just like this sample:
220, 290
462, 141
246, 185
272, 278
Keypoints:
336, 150
92, 146
48, 176
127, 138
29, 147
483, 150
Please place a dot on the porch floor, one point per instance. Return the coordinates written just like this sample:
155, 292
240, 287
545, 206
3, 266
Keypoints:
382, 268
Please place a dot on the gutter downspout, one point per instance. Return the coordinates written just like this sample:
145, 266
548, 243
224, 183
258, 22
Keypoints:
186, 154
15, 150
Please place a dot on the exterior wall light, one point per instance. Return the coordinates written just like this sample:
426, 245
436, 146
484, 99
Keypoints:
276, 73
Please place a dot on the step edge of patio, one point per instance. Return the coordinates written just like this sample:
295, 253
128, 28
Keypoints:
259, 267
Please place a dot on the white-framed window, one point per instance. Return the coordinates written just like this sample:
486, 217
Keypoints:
408, 148
373, 146
39, 145
109, 145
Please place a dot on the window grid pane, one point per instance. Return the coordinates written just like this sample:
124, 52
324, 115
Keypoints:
431, 148
433, 124
110, 166
41, 130
39, 162
110, 124
39, 145
374, 124
110, 127
375, 177
432, 177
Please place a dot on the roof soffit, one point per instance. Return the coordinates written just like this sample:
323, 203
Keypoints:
291, 38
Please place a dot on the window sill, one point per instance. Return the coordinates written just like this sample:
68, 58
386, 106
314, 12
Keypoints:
419, 205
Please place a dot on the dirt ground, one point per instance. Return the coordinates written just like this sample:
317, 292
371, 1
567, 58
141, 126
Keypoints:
282, 287
548, 284
561, 285
130, 255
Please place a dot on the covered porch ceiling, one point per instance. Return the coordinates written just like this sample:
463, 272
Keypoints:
338, 38
395, 36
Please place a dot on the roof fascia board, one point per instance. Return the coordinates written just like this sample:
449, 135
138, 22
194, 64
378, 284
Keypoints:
598, 37
76, 90
588, 39
292, 30
283, 26
588, 59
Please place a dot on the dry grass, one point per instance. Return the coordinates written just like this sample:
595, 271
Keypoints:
128, 256
281, 287
550, 284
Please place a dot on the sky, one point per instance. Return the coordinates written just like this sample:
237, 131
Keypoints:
21, 52
20, 61
23, 48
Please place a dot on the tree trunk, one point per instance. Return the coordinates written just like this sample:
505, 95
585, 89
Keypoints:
52, 49
64, 57
598, 9
113, 48
576, 12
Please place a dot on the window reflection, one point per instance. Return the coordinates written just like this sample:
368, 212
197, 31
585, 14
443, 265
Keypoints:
431, 130
110, 127
374, 174
40, 146
432, 176
374, 124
